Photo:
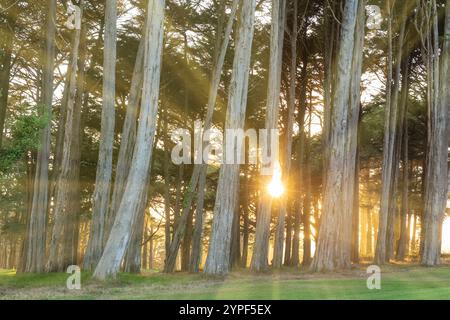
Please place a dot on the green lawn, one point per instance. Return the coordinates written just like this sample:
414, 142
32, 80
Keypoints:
398, 282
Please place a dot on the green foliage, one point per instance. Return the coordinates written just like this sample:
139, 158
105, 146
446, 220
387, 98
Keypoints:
24, 138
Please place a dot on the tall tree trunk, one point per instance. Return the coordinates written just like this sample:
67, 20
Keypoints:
196, 252
186, 238
436, 173
403, 241
101, 197
334, 240
398, 140
128, 138
331, 37
353, 167
262, 237
289, 130
200, 170
121, 231
218, 260
73, 209
61, 212
281, 223
34, 245
295, 258
385, 238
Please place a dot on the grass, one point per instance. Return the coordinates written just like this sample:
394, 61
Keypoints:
398, 282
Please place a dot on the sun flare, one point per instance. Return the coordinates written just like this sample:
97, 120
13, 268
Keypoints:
275, 187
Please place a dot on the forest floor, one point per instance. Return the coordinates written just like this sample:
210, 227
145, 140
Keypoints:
397, 282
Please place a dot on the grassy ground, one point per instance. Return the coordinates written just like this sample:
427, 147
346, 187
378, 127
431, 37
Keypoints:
398, 282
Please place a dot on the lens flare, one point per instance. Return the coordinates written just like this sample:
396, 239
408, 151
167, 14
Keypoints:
275, 187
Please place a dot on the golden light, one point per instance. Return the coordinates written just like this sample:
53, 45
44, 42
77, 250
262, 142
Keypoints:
446, 236
275, 187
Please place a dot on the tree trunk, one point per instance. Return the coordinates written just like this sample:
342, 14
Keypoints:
34, 245
132, 260
403, 241
73, 209
128, 138
281, 224
101, 197
262, 237
196, 252
289, 130
295, 258
437, 170
56, 258
119, 238
200, 170
198, 227
334, 240
218, 260
385, 238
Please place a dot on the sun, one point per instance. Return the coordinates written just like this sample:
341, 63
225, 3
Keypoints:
275, 187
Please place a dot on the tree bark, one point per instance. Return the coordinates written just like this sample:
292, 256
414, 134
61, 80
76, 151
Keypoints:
56, 259
289, 130
334, 240
436, 192
101, 197
132, 261
34, 245
403, 241
128, 138
72, 226
260, 256
200, 170
119, 238
295, 258
218, 260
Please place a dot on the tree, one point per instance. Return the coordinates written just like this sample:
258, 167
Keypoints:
222, 47
262, 236
436, 169
119, 238
101, 195
290, 126
334, 241
198, 178
56, 260
218, 259
34, 244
